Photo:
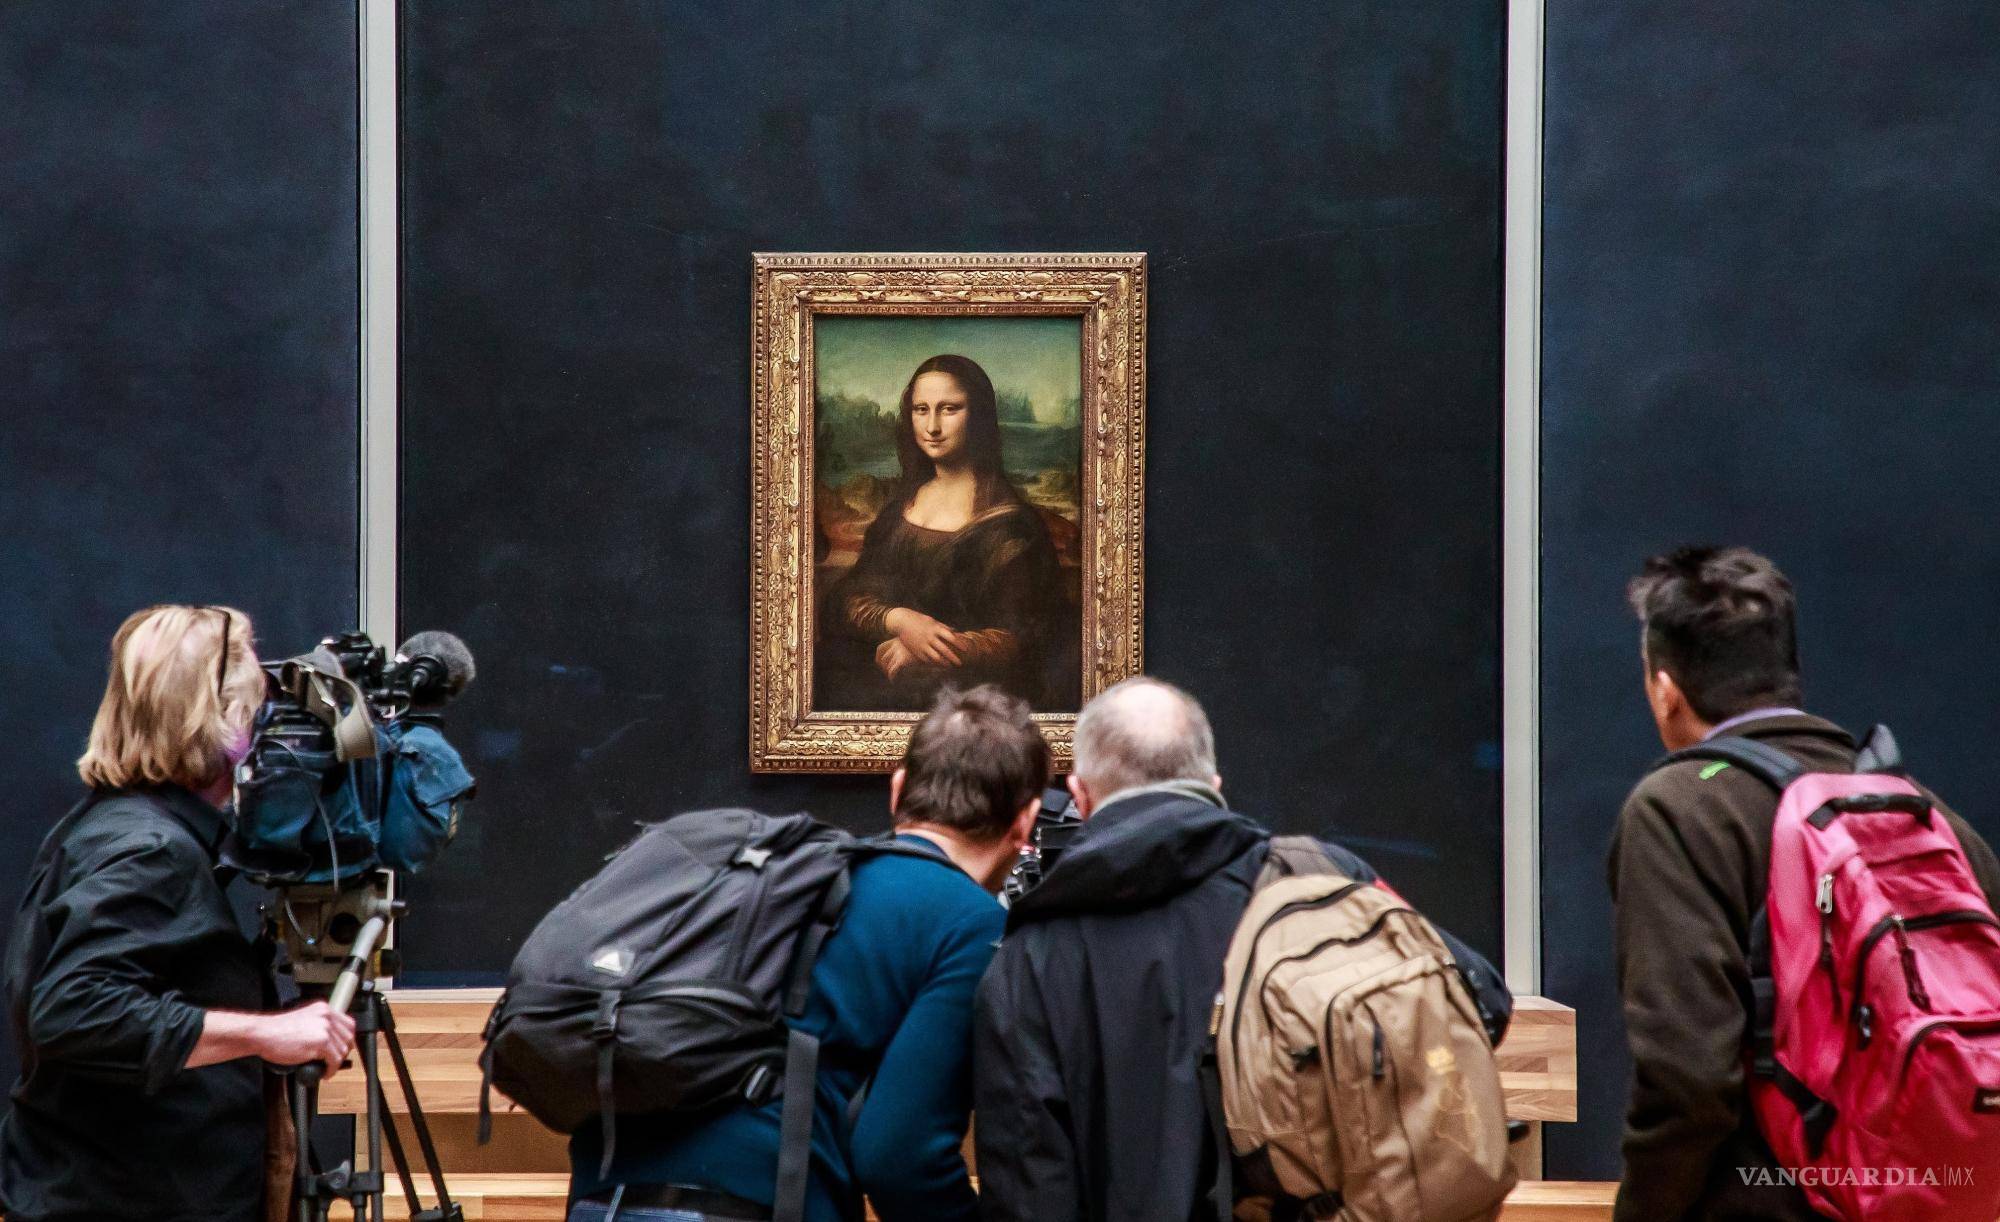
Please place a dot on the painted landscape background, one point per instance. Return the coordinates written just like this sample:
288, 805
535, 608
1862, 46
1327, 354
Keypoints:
862, 363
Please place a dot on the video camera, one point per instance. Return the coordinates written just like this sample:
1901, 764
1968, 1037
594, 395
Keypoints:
348, 777
1056, 825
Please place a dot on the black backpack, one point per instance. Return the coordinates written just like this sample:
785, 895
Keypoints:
663, 983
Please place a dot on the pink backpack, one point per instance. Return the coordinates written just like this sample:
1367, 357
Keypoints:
1875, 1050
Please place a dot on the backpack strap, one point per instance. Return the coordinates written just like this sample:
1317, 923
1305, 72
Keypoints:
1761, 760
795, 1116
486, 1070
889, 846
826, 919
1276, 857
1778, 770
795, 1123
1223, 1195
604, 1031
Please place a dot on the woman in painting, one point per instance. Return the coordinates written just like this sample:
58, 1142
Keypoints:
957, 579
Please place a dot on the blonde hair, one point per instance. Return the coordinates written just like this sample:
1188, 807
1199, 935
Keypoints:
174, 708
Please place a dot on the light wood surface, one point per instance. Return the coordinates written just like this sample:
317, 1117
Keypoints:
540, 1198
441, 1031
523, 1175
1538, 1061
1560, 1201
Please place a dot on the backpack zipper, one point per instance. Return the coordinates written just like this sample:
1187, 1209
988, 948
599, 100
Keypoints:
1374, 927
1824, 902
1900, 926
1917, 1036
1250, 963
1913, 982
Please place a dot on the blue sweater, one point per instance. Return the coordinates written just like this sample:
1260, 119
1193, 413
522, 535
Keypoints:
892, 995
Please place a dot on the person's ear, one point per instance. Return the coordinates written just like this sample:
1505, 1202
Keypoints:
1665, 695
1080, 793
1023, 829
1215, 782
896, 780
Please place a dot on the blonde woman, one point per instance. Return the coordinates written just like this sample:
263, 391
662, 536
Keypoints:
139, 1007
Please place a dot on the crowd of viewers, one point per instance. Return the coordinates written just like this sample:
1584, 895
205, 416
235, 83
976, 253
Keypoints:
1072, 1023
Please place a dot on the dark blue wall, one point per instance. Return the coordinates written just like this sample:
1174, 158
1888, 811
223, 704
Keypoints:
1771, 294
1318, 188
178, 331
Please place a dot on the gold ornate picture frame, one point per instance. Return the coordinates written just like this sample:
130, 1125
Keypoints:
1057, 534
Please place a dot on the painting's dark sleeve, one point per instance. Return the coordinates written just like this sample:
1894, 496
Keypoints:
1018, 583
864, 598
101, 1005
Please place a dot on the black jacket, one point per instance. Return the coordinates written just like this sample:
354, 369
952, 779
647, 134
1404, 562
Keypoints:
1689, 866
1093, 1017
124, 938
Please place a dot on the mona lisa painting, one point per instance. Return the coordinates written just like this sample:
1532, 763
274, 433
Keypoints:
948, 490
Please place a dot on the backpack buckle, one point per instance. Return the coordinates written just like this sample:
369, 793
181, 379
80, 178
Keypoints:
758, 1086
606, 1025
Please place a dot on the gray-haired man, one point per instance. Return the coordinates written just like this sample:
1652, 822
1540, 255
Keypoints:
1093, 1017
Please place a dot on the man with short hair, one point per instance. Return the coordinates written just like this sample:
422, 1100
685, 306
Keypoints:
891, 1004
1689, 869
1093, 1018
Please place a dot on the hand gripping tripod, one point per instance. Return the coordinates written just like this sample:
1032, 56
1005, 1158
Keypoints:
325, 926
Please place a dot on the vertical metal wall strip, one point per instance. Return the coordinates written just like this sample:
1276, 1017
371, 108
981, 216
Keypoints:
381, 247
1521, 568
379, 317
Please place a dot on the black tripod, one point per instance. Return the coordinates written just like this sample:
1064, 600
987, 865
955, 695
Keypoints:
314, 1191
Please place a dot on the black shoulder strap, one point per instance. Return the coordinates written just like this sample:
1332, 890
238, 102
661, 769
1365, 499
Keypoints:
889, 846
795, 1119
1778, 770
795, 1125
1222, 1194
1761, 760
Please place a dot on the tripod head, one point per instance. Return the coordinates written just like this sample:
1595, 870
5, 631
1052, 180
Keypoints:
333, 934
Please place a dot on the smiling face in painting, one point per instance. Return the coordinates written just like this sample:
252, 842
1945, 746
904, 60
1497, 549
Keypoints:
938, 417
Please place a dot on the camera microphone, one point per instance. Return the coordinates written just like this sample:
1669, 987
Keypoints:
436, 666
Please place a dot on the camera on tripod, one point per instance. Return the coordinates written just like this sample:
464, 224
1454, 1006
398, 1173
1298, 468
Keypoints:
348, 781
348, 776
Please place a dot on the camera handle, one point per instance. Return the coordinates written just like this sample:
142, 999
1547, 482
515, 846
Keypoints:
348, 983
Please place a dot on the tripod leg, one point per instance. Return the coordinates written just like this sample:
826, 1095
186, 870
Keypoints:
364, 1031
417, 1121
402, 1161
304, 1186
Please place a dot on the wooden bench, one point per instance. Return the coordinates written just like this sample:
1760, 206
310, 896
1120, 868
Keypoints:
531, 1197
522, 1176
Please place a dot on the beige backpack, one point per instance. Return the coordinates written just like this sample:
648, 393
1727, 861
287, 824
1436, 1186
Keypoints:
1354, 1072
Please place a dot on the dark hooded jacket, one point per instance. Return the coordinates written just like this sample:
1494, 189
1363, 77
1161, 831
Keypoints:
1093, 1018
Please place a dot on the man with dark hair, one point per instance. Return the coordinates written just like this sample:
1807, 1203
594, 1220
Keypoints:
891, 1005
1689, 867
971, 767
1094, 1017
